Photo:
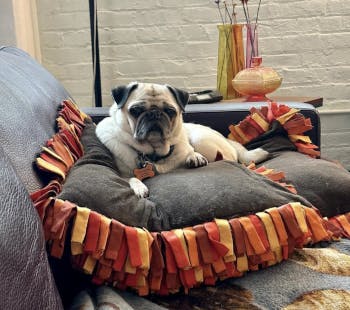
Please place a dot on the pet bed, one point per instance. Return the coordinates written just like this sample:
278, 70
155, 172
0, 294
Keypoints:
197, 226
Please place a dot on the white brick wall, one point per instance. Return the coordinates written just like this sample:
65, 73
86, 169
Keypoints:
175, 41
335, 136
7, 26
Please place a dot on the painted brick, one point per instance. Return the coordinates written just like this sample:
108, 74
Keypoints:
72, 21
175, 41
80, 87
325, 57
67, 56
63, 6
85, 100
288, 60
112, 5
337, 7
71, 72
52, 39
346, 22
342, 105
76, 39
335, 137
292, 10
172, 51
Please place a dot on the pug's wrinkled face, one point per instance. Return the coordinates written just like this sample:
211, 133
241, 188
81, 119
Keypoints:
153, 111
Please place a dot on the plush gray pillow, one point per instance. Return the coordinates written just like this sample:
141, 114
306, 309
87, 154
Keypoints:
222, 189
181, 198
324, 183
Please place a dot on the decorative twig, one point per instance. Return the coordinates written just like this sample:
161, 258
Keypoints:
249, 32
234, 14
257, 13
245, 11
218, 4
256, 25
227, 11
247, 8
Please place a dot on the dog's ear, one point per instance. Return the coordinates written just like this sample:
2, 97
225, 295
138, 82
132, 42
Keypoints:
121, 94
180, 95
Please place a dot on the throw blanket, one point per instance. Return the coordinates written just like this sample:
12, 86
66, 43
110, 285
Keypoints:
316, 278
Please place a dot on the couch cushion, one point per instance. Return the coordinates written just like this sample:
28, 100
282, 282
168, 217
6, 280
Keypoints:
29, 99
24, 269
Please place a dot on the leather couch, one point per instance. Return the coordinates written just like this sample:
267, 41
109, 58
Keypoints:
29, 99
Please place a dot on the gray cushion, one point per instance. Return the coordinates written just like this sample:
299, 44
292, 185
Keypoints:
324, 183
220, 190
181, 198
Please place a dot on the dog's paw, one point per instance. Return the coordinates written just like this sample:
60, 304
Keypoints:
139, 188
196, 160
257, 155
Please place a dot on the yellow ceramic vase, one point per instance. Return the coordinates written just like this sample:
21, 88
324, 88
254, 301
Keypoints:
230, 58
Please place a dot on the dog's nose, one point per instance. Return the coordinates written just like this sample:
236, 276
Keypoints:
154, 114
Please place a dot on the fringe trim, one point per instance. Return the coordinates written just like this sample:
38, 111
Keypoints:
276, 176
259, 120
164, 262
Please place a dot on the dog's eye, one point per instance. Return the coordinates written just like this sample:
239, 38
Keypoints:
170, 112
136, 111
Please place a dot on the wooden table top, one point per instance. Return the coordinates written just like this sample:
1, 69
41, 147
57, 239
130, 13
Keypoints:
315, 101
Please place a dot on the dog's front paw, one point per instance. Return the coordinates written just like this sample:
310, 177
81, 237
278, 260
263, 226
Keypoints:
196, 160
139, 188
257, 155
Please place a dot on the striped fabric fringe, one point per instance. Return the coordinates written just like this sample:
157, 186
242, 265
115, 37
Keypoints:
259, 120
165, 262
276, 176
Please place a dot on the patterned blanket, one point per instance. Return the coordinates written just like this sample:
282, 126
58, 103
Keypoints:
313, 278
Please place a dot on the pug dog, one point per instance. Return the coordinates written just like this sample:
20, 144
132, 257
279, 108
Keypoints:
146, 128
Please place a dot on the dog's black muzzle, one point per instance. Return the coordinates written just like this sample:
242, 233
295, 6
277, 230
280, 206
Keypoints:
152, 122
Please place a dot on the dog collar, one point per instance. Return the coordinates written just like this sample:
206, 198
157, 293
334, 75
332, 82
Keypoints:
153, 158
145, 164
